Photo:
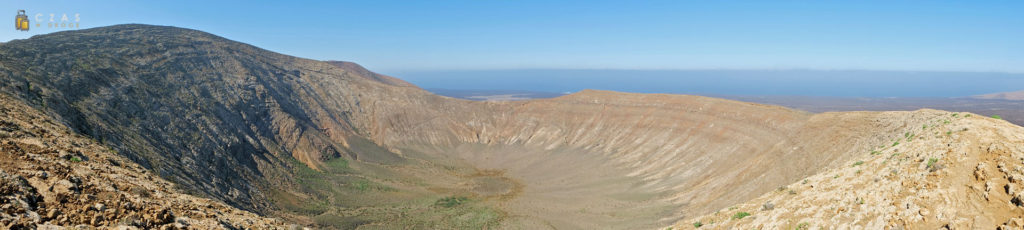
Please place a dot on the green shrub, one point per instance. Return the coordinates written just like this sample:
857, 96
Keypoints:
697, 224
896, 143
339, 164
740, 215
932, 166
451, 201
76, 159
997, 117
858, 163
361, 185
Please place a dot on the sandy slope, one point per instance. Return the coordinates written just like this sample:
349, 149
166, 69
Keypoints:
600, 159
949, 170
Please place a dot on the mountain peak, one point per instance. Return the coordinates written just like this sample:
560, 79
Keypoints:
369, 75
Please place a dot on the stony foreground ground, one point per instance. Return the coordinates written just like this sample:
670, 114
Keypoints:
947, 171
50, 178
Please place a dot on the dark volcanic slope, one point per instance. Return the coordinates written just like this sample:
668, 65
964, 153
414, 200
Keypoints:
50, 177
211, 114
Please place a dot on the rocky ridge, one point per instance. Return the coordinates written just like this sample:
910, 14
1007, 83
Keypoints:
948, 171
51, 177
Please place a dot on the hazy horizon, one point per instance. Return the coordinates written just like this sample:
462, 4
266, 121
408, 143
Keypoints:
830, 83
862, 49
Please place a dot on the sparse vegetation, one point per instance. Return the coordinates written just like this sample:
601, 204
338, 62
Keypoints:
896, 143
451, 201
874, 152
858, 163
968, 115
803, 226
740, 215
932, 166
76, 159
361, 185
695, 225
997, 117
337, 163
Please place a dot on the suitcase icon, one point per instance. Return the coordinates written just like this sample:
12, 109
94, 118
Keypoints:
21, 21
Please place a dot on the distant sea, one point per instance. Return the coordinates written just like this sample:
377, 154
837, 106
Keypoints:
838, 83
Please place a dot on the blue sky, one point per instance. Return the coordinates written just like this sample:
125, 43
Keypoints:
400, 36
